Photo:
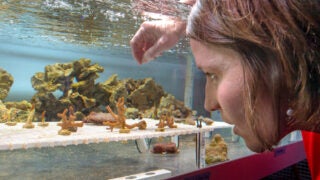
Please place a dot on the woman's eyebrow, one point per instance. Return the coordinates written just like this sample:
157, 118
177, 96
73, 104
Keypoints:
203, 71
200, 68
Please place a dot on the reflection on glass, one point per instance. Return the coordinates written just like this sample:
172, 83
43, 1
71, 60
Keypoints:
99, 23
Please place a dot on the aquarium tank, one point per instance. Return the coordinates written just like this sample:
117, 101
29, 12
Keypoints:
63, 59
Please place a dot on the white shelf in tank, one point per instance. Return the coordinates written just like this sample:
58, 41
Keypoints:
17, 137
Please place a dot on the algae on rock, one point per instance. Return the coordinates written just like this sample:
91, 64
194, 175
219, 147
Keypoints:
11, 111
74, 80
6, 81
14, 111
217, 150
176, 107
144, 95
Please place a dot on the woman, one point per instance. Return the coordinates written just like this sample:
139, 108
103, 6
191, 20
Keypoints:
262, 63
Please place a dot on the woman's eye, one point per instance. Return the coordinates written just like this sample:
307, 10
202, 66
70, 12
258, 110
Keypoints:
211, 76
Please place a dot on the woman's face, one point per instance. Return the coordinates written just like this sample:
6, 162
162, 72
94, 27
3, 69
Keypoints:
224, 92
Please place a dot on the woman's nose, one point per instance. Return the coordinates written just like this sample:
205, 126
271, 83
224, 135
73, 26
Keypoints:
211, 103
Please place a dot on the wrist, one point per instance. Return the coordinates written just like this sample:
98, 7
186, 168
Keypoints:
181, 27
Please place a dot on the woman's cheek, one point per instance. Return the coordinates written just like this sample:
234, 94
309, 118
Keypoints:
230, 99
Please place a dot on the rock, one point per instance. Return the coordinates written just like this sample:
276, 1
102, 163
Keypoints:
98, 118
168, 103
146, 95
132, 113
6, 81
161, 148
217, 150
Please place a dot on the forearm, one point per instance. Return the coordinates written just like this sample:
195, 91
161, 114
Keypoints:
181, 28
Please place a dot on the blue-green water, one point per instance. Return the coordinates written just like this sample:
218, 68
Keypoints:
39, 33
24, 60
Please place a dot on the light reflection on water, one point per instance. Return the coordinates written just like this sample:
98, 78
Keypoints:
100, 23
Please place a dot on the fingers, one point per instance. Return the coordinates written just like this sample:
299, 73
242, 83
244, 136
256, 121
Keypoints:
155, 37
142, 41
138, 45
155, 50
188, 2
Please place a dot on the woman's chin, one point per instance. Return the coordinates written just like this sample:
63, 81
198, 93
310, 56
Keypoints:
256, 147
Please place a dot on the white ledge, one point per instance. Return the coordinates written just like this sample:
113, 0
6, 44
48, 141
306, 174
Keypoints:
17, 137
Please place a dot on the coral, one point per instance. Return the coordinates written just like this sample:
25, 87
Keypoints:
120, 119
68, 123
165, 120
43, 122
6, 81
30, 118
217, 150
8, 117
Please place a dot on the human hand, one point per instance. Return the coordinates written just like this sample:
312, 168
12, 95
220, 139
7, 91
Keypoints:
154, 37
189, 2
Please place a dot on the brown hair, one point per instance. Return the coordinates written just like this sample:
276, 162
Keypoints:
279, 41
